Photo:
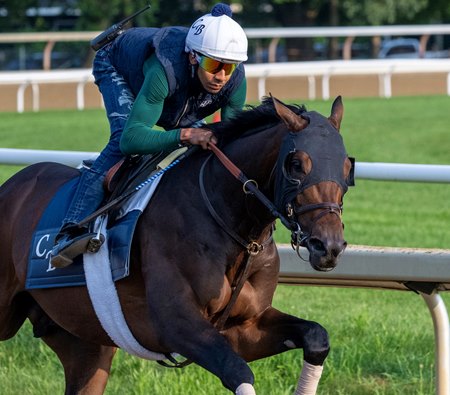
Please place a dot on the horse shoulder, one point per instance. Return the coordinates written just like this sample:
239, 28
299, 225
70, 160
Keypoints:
257, 293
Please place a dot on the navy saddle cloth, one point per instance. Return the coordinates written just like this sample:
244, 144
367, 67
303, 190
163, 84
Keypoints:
40, 272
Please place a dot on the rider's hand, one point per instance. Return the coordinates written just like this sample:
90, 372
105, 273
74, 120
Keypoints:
197, 136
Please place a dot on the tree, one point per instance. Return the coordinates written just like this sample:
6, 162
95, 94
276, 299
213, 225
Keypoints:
301, 13
106, 13
17, 15
382, 12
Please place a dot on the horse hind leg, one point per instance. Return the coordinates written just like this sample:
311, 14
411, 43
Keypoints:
13, 314
86, 365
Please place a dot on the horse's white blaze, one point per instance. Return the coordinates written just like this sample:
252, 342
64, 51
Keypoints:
245, 389
309, 379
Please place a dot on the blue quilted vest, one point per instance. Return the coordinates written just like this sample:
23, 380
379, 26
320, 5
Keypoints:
187, 101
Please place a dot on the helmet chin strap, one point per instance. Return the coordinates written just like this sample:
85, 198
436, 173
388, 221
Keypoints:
193, 65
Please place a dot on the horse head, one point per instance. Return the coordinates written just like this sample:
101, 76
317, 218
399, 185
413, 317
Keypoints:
313, 173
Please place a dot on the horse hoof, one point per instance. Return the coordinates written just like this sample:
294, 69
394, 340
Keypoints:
245, 389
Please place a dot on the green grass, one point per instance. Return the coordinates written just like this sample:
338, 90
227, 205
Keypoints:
382, 341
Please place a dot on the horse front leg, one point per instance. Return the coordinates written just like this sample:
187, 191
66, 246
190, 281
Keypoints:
275, 332
197, 340
181, 328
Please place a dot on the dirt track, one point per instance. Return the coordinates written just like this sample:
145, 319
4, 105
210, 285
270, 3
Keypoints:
61, 96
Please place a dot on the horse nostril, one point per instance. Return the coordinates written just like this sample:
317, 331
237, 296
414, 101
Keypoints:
335, 252
330, 248
316, 245
337, 249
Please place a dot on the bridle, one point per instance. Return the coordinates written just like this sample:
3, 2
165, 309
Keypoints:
298, 236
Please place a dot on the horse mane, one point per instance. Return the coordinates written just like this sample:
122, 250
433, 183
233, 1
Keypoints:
250, 120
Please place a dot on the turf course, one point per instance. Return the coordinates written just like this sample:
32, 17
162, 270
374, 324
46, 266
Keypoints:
382, 341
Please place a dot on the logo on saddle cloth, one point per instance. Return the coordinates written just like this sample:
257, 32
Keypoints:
40, 272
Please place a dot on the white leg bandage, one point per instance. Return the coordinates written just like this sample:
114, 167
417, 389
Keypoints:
245, 389
309, 379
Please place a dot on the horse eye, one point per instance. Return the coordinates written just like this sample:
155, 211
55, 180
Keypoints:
296, 166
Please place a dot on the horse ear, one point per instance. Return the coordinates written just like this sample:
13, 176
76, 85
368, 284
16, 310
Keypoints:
337, 111
293, 122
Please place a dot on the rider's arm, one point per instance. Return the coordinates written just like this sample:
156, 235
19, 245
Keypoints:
139, 136
237, 101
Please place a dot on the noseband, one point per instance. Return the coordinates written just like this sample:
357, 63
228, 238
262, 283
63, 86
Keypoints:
298, 237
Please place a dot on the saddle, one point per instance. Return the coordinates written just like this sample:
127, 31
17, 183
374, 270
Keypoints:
124, 177
122, 220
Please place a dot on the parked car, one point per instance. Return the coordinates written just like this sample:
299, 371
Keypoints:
407, 48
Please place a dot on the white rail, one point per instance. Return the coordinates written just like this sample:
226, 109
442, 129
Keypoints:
365, 170
383, 68
24, 79
325, 70
350, 32
254, 33
25, 157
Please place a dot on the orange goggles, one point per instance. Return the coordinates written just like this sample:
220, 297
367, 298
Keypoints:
214, 66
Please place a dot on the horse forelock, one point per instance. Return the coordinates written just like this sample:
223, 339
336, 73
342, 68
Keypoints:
252, 119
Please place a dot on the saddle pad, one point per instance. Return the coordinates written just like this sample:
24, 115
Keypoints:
41, 274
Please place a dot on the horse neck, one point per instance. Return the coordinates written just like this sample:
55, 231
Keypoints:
255, 155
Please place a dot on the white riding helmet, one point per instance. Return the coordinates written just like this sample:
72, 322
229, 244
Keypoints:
218, 36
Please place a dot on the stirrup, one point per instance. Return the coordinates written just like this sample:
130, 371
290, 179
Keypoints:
95, 243
67, 249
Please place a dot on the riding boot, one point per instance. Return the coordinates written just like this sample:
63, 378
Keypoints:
73, 240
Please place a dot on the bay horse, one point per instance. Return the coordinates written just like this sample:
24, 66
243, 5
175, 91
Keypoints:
189, 248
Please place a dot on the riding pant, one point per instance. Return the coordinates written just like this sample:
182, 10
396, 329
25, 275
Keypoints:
118, 101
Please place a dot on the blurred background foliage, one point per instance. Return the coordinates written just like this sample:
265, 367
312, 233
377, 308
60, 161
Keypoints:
48, 15
94, 15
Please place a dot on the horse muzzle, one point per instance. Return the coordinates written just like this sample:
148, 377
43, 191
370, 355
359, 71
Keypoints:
324, 254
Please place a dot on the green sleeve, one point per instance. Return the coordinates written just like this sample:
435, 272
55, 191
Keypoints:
139, 136
237, 101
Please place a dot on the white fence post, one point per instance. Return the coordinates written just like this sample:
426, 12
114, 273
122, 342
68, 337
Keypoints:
441, 325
